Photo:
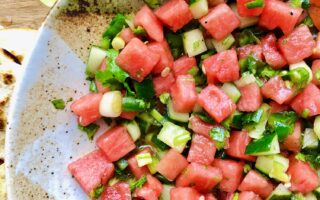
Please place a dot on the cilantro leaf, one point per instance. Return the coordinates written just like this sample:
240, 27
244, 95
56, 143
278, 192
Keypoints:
91, 129
58, 104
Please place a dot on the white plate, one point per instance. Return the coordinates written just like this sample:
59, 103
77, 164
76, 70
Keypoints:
40, 140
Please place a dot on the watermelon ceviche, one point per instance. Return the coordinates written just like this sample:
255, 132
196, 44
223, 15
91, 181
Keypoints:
205, 100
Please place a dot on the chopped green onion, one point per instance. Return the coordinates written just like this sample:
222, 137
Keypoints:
193, 71
219, 136
96, 193
130, 104
138, 183
181, 139
255, 4
58, 104
143, 159
122, 164
157, 116
93, 87
299, 76
158, 143
105, 43
144, 90
164, 98
140, 31
111, 104
247, 37
91, 129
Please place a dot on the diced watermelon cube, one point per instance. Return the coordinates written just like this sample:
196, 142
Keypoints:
307, 101
238, 142
251, 98
146, 18
216, 103
127, 35
220, 21
315, 69
87, 108
145, 193
293, 141
185, 193
298, 45
172, 164
248, 12
183, 94
182, 65
166, 59
231, 172
304, 179
137, 171
115, 143
222, 67
246, 195
250, 49
210, 196
163, 84
118, 191
200, 127
202, 150
128, 115
150, 190
277, 90
174, 14
271, 53
256, 183
276, 108
154, 184
201, 177
92, 170
279, 14
137, 59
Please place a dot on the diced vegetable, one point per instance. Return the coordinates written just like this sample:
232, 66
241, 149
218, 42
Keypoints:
267, 145
282, 124
316, 126
110, 104
165, 194
130, 104
219, 135
118, 43
143, 159
232, 91
116, 25
245, 80
193, 42
178, 116
256, 130
275, 166
310, 139
244, 21
280, 192
199, 8
223, 44
174, 136
133, 129
96, 56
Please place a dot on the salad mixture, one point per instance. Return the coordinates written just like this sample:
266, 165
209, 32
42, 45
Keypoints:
205, 100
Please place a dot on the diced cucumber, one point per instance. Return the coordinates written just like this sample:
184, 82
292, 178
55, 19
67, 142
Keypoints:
244, 21
145, 120
303, 65
180, 117
133, 129
256, 131
165, 194
282, 124
174, 136
143, 159
245, 80
223, 44
232, 91
311, 196
316, 126
280, 193
199, 8
111, 104
273, 165
95, 59
310, 139
193, 42
153, 165
267, 145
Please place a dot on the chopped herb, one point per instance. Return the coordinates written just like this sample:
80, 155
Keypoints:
193, 71
93, 87
91, 129
113, 76
152, 3
175, 43
145, 89
58, 104
96, 193
247, 37
122, 164
257, 67
116, 25
308, 21
282, 124
299, 77
219, 136
255, 4
138, 183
